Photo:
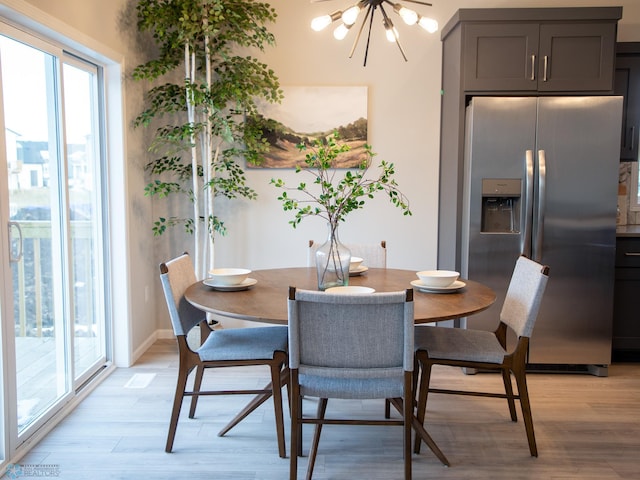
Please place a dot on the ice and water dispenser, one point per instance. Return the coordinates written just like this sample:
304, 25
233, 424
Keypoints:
501, 205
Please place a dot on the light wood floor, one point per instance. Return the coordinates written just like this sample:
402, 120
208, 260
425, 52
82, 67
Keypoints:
586, 427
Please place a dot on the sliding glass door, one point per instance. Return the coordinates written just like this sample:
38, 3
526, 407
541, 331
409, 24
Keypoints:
52, 208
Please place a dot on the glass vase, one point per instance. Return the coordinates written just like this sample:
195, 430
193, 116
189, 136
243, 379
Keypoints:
332, 261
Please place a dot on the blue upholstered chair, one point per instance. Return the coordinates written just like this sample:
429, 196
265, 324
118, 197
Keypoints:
484, 350
220, 348
336, 351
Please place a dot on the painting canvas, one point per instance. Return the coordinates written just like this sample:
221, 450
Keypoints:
310, 113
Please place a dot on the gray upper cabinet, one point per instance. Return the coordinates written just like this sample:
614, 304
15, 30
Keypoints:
500, 56
627, 84
577, 56
537, 50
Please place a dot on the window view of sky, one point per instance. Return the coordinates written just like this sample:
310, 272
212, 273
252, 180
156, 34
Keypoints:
24, 74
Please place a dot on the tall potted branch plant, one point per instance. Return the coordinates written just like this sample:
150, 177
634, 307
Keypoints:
332, 197
197, 152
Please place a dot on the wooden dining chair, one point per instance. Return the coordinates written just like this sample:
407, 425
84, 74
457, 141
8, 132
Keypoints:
220, 348
484, 350
336, 351
374, 254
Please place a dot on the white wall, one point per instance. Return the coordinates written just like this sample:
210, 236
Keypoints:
404, 113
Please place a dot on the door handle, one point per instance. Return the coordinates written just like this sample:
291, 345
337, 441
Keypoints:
546, 66
15, 258
541, 205
525, 238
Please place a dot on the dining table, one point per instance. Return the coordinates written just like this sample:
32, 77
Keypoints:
263, 298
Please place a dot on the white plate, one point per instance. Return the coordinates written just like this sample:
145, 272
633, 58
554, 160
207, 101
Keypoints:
349, 290
454, 287
249, 282
358, 271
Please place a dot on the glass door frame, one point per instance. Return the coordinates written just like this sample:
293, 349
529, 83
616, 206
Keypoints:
12, 439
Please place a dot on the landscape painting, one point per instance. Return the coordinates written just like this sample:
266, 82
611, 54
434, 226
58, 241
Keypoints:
310, 113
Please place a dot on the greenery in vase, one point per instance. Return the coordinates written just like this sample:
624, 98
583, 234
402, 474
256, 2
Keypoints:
204, 43
332, 196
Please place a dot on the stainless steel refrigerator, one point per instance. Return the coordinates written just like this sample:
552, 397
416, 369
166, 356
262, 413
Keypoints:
541, 178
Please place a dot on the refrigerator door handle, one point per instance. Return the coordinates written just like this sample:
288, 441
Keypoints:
540, 207
525, 239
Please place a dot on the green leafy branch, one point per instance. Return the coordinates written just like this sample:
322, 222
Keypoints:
333, 198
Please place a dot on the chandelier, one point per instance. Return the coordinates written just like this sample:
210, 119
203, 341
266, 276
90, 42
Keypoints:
349, 17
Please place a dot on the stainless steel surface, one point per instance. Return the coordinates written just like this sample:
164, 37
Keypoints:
573, 212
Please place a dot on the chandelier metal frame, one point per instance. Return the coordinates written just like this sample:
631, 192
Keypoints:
350, 15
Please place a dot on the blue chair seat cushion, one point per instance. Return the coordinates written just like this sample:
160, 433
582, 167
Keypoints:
459, 344
351, 388
244, 344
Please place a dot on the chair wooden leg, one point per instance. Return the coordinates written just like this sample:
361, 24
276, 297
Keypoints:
408, 422
177, 405
276, 383
415, 379
423, 392
424, 435
296, 412
322, 409
277, 378
197, 383
521, 381
284, 382
508, 388
249, 407
300, 413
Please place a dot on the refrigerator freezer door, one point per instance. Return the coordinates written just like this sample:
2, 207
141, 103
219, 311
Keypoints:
500, 131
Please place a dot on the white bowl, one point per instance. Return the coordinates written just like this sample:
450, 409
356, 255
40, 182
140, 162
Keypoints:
349, 290
355, 263
437, 278
229, 276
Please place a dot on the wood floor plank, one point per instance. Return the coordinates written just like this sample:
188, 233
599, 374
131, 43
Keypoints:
586, 427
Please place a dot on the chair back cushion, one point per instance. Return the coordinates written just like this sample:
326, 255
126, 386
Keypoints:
374, 254
524, 295
179, 275
351, 336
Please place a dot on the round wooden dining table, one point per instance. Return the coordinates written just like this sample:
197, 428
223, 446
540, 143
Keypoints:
266, 300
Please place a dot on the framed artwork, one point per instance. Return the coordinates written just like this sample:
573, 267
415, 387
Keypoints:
309, 113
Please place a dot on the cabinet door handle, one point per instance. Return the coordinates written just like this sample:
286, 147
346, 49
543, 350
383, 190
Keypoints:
546, 65
632, 254
533, 67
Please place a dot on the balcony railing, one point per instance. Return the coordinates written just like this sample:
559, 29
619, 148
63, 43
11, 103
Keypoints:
33, 279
